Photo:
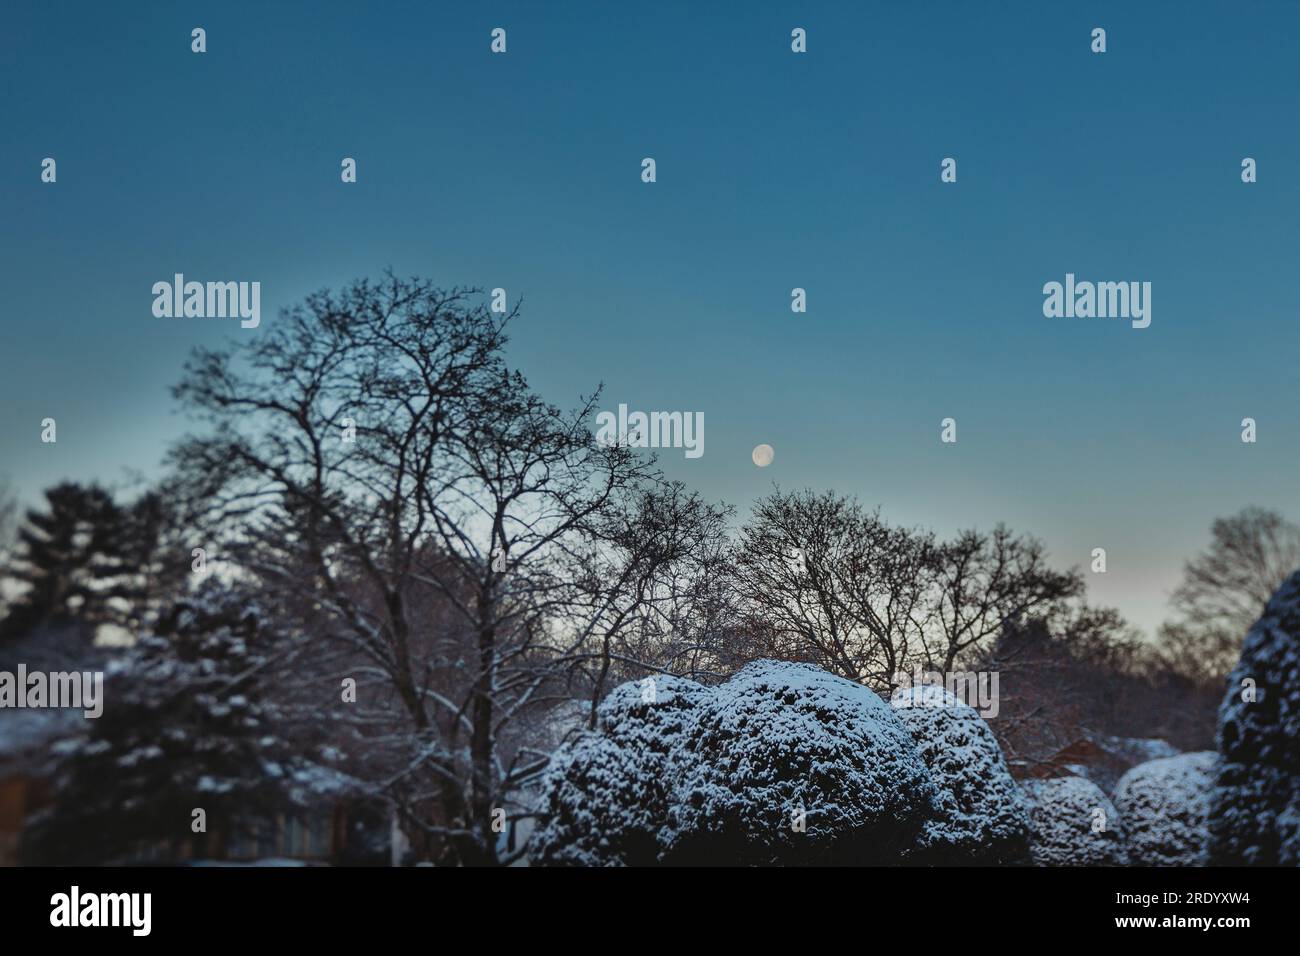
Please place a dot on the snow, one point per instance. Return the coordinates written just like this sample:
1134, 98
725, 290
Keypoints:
1073, 824
1120, 754
982, 814
604, 809
25, 732
606, 793
729, 774
31, 737
312, 781
662, 704
171, 739
1254, 815
138, 755
210, 784
1140, 749
781, 739
1163, 804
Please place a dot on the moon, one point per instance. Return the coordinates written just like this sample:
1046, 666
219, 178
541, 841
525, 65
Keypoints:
762, 455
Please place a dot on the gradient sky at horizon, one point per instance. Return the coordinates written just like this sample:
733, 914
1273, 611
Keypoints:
775, 170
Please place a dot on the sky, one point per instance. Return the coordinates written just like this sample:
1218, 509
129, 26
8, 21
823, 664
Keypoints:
775, 170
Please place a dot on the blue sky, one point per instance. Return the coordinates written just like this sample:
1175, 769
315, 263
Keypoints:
775, 170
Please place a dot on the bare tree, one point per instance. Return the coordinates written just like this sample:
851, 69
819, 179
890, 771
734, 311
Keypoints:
833, 584
1200, 653
650, 589
1085, 673
372, 461
1223, 591
986, 580
1250, 554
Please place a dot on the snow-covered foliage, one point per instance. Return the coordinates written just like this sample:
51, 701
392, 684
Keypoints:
1119, 756
784, 763
30, 737
982, 814
1163, 804
606, 793
604, 806
1254, 815
654, 710
1073, 824
184, 727
795, 765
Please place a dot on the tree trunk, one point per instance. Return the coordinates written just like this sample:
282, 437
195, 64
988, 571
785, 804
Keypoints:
482, 744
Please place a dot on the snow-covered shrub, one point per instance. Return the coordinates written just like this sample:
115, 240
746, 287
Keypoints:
1254, 815
603, 806
795, 765
606, 793
1073, 824
653, 711
1163, 804
982, 814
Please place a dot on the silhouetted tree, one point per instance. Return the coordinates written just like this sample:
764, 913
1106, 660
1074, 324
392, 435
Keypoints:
835, 585
1084, 672
986, 580
828, 582
647, 589
1224, 590
90, 561
8, 514
371, 451
68, 559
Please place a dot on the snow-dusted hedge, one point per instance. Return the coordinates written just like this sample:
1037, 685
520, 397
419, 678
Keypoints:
603, 804
982, 814
784, 763
1073, 824
1254, 815
652, 712
607, 792
1163, 804
795, 765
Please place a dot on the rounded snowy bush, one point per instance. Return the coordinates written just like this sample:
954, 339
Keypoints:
1163, 804
794, 765
599, 805
652, 711
1073, 824
1254, 814
606, 792
982, 815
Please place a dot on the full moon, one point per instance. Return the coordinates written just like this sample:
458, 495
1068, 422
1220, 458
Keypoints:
762, 455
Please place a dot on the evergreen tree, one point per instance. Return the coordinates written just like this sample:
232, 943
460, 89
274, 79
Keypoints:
154, 563
1254, 813
66, 553
185, 727
91, 562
